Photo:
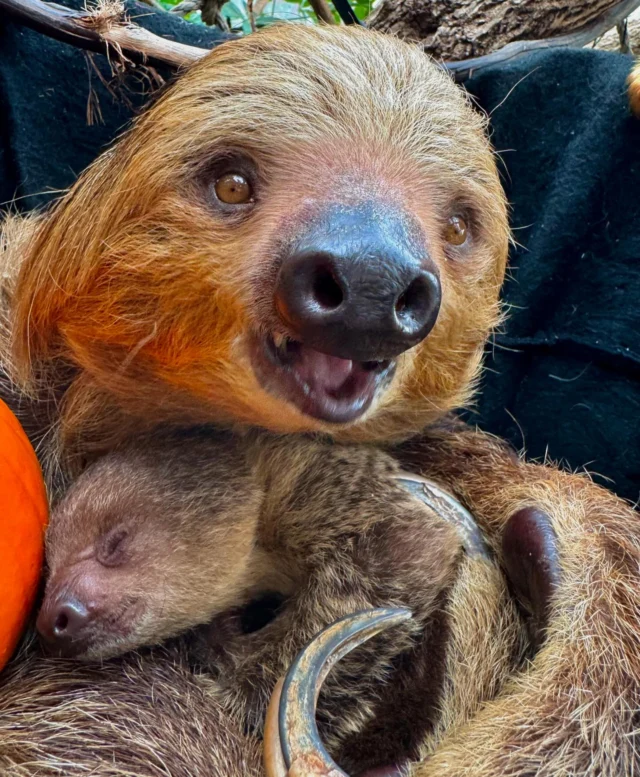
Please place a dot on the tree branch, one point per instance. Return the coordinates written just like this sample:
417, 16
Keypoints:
105, 31
578, 38
322, 11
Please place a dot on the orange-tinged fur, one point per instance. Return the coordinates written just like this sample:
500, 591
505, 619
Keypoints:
132, 278
633, 83
130, 303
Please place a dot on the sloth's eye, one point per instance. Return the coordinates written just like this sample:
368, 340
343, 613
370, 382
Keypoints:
233, 189
456, 231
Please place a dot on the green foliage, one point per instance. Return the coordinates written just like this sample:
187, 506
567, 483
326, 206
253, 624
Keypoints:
235, 11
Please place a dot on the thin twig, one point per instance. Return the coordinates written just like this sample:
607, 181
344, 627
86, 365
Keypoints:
322, 10
623, 35
346, 12
252, 16
578, 38
103, 35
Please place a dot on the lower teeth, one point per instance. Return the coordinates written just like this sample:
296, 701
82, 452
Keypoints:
285, 349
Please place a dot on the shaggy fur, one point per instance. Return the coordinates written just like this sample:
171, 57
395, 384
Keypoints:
207, 522
575, 710
109, 287
131, 302
144, 716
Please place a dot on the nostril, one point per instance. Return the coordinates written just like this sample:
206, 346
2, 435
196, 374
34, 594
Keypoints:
401, 304
65, 621
413, 305
60, 625
64, 624
326, 290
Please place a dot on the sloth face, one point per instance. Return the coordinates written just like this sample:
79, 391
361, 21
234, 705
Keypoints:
306, 233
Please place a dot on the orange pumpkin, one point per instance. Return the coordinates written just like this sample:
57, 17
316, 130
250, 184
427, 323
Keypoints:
23, 519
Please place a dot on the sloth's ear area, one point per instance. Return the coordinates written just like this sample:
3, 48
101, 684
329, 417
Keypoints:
532, 564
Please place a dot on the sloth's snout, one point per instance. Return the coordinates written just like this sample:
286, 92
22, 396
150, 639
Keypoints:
358, 285
63, 623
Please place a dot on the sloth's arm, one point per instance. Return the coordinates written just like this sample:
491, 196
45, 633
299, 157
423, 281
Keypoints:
145, 715
348, 574
574, 710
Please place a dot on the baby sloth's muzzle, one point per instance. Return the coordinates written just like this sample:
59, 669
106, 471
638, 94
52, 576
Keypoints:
292, 744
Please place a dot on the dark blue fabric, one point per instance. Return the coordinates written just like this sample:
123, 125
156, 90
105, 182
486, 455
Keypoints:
564, 378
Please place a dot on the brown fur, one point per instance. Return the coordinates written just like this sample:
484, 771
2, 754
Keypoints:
211, 521
574, 711
142, 716
129, 303
155, 538
116, 279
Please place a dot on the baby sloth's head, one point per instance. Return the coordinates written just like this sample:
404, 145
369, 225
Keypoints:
151, 540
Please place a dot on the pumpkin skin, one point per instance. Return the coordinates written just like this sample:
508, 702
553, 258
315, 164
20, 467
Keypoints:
23, 519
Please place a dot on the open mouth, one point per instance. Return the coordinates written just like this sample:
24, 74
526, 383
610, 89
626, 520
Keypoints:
325, 387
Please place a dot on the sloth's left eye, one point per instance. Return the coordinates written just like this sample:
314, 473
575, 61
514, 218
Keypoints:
455, 232
233, 189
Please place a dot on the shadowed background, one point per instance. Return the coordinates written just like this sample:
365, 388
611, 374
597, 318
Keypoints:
563, 379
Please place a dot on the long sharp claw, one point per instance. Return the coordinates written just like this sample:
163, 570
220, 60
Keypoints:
292, 744
449, 509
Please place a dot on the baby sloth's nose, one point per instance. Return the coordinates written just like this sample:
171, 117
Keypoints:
63, 624
359, 284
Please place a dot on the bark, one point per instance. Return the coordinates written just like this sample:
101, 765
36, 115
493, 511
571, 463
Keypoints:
459, 29
611, 40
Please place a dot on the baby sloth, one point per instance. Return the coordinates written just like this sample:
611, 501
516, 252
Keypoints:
262, 541
150, 541
176, 528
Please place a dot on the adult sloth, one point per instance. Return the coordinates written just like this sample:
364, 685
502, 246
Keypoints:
307, 233
267, 246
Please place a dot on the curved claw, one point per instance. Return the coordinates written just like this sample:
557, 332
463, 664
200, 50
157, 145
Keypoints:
449, 509
292, 744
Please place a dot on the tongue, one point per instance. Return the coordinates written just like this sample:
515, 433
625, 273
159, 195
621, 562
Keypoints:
322, 372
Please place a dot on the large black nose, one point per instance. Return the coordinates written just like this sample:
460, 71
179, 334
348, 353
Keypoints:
359, 284
63, 623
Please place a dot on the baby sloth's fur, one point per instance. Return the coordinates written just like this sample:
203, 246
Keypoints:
135, 301
172, 530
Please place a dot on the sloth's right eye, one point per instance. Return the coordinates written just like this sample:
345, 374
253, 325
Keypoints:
112, 548
456, 231
233, 189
